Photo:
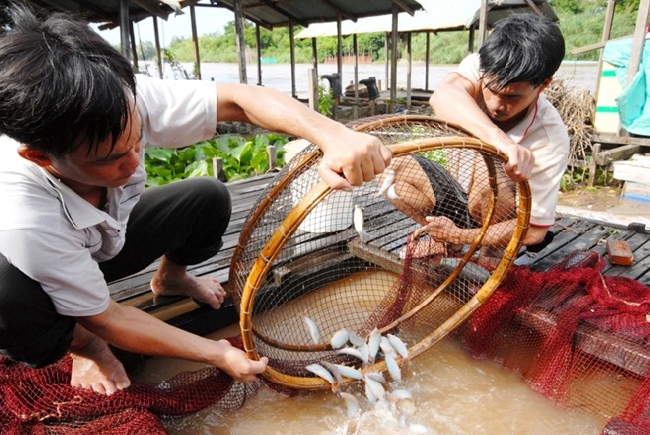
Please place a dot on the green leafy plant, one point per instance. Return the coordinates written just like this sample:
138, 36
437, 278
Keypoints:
325, 101
241, 157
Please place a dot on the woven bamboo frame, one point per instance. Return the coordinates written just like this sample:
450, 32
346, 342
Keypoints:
318, 193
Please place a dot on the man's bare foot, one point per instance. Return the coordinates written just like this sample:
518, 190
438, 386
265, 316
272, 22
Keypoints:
173, 280
94, 367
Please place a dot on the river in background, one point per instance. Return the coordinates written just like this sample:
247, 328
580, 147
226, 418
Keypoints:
579, 74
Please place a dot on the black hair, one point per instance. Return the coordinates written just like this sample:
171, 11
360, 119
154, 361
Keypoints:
62, 85
525, 48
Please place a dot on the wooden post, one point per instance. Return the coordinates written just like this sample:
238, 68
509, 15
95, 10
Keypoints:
217, 166
593, 165
428, 59
156, 38
386, 57
134, 51
125, 43
607, 31
409, 70
258, 40
355, 46
393, 64
482, 23
314, 54
312, 88
339, 48
273, 158
195, 40
292, 55
241, 45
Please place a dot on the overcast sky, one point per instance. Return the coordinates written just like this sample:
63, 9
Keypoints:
208, 20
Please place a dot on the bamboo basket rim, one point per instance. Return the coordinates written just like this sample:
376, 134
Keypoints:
320, 191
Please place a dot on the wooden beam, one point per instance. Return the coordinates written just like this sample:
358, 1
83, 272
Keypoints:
534, 7
154, 11
339, 11
596, 46
273, 4
624, 152
403, 6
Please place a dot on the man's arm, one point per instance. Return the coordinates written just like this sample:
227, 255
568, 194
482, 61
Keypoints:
453, 101
443, 229
135, 331
350, 157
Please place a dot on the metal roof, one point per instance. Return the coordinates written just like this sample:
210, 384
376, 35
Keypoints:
274, 13
267, 13
103, 11
438, 16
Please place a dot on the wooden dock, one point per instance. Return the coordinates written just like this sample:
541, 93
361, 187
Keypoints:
570, 233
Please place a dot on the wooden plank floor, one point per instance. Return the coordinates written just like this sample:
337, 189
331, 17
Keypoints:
570, 234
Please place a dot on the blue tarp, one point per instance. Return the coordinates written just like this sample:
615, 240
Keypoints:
634, 101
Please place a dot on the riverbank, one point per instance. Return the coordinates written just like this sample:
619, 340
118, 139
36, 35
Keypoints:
582, 75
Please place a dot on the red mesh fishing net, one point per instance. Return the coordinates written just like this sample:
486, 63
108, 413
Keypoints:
42, 401
574, 335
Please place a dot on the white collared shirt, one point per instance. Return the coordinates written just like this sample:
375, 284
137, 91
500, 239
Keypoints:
56, 237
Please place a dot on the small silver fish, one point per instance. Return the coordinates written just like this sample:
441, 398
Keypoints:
313, 330
334, 370
365, 353
392, 193
386, 347
349, 372
358, 223
375, 387
398, 345
374, 339
369, 394
321, 372
356, 340
354, 352
393, 368
388, 181
376, 376
339, 338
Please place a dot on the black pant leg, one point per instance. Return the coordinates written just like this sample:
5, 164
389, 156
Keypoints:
31, 331
184, 220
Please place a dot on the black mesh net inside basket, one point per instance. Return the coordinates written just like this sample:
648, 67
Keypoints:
313, 262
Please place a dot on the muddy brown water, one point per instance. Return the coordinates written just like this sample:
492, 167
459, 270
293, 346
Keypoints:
451, 392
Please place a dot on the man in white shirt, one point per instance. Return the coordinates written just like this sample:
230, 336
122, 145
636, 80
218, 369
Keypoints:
496, 95
74, 122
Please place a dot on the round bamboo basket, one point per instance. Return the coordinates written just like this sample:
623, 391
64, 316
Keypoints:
252, 274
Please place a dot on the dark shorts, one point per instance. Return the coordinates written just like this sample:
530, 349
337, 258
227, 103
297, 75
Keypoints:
451, 199
184, 221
